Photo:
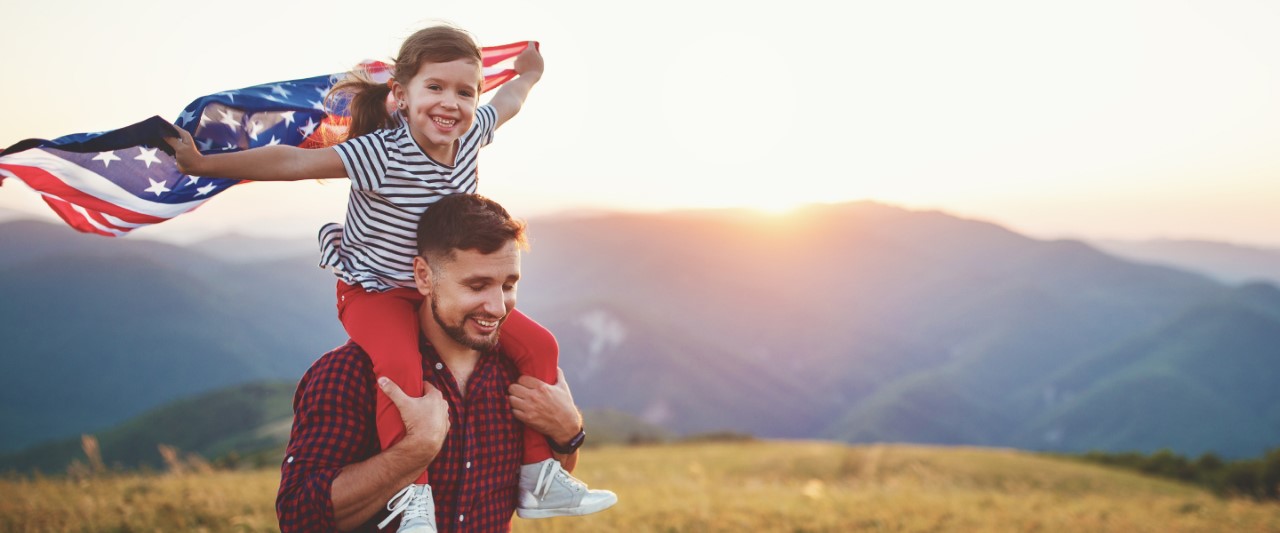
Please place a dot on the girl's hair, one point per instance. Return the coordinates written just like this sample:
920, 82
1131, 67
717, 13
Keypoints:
368, 99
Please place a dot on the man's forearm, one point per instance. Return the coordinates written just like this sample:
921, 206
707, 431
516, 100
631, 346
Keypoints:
362, 489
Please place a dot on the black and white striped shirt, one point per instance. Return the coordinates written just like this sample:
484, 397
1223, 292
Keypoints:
392, 183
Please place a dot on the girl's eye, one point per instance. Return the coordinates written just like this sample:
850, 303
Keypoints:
433, 87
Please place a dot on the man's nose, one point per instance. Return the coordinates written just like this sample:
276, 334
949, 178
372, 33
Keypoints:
495, 303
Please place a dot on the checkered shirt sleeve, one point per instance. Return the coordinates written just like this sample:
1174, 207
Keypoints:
333, 426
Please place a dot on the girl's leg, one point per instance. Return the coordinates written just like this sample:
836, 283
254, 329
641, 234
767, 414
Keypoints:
535, 352
385, 325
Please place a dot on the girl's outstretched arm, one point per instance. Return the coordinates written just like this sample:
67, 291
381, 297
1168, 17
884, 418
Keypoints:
267, 163
512, 94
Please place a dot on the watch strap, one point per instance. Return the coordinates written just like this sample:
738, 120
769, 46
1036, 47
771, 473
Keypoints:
570, 447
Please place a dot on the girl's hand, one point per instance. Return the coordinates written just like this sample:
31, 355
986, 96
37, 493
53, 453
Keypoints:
529, 62
184, 151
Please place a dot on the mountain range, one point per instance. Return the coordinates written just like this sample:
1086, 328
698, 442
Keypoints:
858, 322
1227, 262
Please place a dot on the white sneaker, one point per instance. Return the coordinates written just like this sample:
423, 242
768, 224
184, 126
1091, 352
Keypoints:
416, 509
546, 490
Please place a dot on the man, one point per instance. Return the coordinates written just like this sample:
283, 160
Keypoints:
465, 430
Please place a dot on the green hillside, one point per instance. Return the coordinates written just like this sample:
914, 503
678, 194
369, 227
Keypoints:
100, 330
1203, 382
245, 419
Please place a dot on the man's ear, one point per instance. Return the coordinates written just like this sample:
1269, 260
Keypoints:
422, 275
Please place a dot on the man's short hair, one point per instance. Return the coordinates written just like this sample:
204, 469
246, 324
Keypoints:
467, 222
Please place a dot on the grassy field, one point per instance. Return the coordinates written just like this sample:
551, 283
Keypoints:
754, 486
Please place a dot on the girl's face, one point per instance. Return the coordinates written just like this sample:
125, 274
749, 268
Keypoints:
440, 103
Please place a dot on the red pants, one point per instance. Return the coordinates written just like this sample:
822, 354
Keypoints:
385, 325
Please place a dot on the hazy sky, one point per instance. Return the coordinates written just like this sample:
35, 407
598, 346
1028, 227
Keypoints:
1127, 119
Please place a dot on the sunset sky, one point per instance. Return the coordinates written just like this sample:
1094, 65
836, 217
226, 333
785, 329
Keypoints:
1090, 119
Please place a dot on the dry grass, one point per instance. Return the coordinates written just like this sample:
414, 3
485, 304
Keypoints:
215, 501
765, 486
812, 487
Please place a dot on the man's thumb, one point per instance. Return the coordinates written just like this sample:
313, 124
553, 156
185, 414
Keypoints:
391, 390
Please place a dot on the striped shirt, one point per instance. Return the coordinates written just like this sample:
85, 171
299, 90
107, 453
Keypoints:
393, 182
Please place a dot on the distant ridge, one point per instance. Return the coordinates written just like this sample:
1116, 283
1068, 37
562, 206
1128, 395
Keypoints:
1230, 263
860, 322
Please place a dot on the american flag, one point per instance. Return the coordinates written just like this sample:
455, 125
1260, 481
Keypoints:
113, 182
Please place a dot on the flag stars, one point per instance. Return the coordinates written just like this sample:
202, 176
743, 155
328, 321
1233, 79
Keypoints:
308, 128
187, 116
229, 119
147, 156
208, 188
205, 144
274, 141
157, 187
317, 104
255, 128
280, 90
288, 117
194, 180
106, 158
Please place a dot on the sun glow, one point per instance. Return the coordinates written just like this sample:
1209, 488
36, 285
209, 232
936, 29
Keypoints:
777, 206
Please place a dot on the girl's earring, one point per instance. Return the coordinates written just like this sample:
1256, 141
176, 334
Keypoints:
400, 105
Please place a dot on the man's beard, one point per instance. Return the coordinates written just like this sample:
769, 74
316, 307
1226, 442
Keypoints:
459, 335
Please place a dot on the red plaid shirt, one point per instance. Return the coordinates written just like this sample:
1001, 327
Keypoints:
473, 479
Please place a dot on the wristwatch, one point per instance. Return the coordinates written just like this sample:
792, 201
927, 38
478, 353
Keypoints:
570, 447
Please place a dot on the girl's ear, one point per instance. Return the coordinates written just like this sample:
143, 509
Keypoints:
397, 91
422, 275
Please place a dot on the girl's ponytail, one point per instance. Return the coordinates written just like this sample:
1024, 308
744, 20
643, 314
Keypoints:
366, 103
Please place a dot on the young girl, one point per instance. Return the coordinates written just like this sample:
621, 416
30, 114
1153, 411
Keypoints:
399, 163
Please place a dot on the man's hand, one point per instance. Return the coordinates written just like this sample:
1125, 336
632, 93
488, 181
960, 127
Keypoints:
548, 409
426, 419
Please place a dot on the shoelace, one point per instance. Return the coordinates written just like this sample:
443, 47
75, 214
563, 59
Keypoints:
552, 470
410, 503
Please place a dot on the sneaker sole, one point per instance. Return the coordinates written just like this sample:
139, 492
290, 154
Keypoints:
572, 511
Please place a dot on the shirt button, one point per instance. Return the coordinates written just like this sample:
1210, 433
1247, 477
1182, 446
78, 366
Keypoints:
439, 366
468, 463
462, 517
290, 460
